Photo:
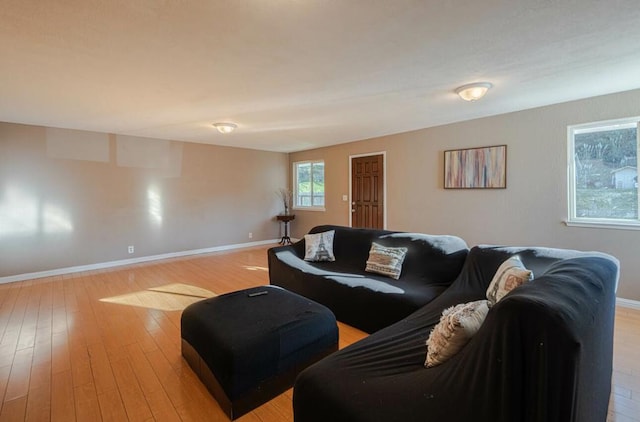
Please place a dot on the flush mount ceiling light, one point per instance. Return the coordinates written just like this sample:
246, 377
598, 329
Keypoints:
473, 92
225, 127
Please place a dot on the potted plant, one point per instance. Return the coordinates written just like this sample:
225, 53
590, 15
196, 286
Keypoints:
285, 197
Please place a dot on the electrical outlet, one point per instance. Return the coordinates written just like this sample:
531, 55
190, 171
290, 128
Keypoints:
250, 235
130, 249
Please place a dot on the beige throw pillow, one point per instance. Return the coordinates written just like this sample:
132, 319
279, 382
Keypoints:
319, 246
456, 327
511, 274
386, 261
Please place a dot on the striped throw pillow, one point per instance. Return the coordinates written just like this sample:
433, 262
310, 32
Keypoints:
386, 261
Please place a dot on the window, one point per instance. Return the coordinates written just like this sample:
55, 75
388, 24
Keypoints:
603, 173
308, 183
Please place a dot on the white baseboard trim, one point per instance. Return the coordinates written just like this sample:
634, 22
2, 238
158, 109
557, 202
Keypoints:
627, 303
102, 265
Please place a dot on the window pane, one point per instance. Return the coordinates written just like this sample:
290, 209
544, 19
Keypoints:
303, 176
309, 184
318, 184
303, 173
318, 173
606, 174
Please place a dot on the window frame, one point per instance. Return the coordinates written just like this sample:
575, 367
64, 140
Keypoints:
601, 126
295, 187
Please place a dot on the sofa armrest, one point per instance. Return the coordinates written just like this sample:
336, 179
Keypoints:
553, 340
280, 270
297, 248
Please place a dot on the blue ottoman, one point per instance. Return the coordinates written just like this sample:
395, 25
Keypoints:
248, 346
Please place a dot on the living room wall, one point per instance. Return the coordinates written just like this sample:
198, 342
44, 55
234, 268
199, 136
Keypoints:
532, 209
73, 198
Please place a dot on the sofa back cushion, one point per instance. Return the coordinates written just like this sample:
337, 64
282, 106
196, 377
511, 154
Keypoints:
430, 258
435, 258
484, 260
351, 246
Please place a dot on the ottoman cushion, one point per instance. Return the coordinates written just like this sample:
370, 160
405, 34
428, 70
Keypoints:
249, 348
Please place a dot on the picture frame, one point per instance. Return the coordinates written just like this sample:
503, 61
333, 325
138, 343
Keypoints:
476, 168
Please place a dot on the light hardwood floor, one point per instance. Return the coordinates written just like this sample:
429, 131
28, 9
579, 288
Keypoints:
65, 355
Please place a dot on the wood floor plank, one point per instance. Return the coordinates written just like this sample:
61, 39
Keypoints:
86, 403
40, 376
62, 400
39, 404
81, 373
101, 371
60, 358
65, 355
42, 346
132, 396
169, 379
18, 385
143, 370
111, 406
161, 407
5, 371
14, 410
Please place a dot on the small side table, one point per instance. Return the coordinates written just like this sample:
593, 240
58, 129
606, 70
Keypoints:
285, 219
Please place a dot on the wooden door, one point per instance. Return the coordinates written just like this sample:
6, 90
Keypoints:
367, 190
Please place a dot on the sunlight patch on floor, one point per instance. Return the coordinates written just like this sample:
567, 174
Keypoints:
254, 268
170, 297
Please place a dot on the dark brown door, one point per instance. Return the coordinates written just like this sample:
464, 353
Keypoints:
367, 190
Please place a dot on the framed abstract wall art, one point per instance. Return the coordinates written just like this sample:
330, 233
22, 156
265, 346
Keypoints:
476, 168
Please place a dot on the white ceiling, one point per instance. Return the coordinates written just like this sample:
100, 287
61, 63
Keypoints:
300, 74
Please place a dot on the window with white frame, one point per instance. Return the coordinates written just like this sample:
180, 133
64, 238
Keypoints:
308, 185
603, 173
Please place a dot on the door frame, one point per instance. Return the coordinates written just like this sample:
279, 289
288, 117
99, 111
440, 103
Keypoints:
384, 185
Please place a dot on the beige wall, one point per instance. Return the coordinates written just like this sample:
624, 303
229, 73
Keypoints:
530, 211
70, 198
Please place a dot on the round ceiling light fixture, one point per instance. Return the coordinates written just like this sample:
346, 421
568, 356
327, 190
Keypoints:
474, 91
225, 127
